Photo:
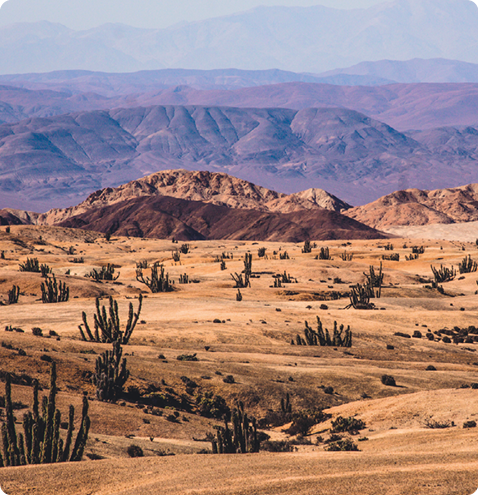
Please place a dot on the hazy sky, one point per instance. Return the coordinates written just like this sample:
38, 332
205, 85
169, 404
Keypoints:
82, 14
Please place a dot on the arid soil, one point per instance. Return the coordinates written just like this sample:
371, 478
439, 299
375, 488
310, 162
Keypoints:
401, 450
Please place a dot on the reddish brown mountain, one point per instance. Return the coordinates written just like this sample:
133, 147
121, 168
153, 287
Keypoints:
166, 217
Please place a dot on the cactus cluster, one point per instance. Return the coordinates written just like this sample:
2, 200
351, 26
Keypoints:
342, 337
241, 439
284, 256
391, 257
443, 274
158, 282
324, 254
184, 278
111, 374
107, 325
32, 265
468, 265
307, 247
106, 273
346, 256
184, 248
41, 442
176, 255
52, 292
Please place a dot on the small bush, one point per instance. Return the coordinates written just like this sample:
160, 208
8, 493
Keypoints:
187, 357
389, 381
229, 379
469, 424
135, 451
277, 446
347, 425
342, 446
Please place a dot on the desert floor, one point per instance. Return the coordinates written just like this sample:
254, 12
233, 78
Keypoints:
399, 452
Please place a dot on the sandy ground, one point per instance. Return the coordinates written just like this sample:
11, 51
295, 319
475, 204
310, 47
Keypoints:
398, 453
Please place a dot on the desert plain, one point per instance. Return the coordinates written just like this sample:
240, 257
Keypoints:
414, 440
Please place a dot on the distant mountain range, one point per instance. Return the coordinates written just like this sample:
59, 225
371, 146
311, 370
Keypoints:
305, 39
59, 160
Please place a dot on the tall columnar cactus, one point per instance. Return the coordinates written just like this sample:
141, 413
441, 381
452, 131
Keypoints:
342, 337
307, 248
374, 280
13, 295
54, 293
107, 325
41, 441
243, 437
243, 282
158, 282
111, 374
30, 265
324, 254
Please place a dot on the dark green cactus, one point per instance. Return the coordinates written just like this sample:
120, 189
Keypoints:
107, 325
41, 442
54, 293
111, 374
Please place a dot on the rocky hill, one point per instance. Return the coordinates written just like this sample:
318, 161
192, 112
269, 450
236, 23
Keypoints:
166, 217
417, 207
208, 187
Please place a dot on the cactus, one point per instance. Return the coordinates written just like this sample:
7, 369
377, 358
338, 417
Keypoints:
111, 374
243, 437
324, 254
106, 273
418, 250
285, 405
176, 256
468, 265
142, 264
238, 296
391, 257
32, 265
241, 282
374, 280
360, 297
109, 326
307, 248
184, 279
443, 274
347, 257
412, 257
388, 247
41, 442
321, 337
223, 265
284, 256
158, 282
52, 293
13, 295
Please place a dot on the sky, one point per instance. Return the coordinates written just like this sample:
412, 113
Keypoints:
84, 14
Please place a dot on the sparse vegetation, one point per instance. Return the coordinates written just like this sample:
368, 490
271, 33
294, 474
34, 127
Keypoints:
105, 273
158, 282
